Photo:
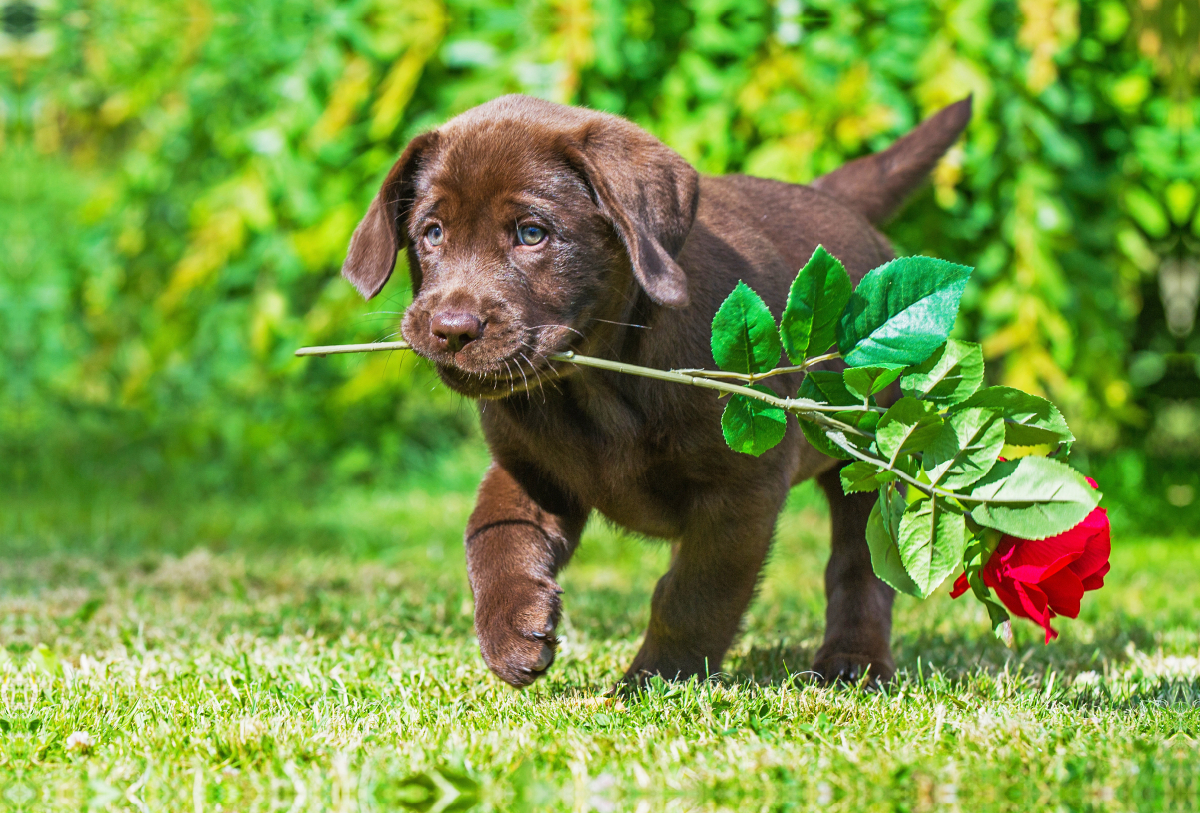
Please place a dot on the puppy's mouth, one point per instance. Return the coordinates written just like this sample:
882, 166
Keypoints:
512, 375
486, 371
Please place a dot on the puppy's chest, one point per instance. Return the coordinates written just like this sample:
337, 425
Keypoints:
606, 455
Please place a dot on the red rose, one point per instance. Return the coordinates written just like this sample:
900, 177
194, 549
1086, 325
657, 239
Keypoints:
1041, 578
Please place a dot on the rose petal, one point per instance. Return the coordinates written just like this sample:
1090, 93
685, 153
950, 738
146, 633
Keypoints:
1009, 599
1063, 591
1031, 560
1098, 546
1036, 606
961, 585
1023, 601
1096, 580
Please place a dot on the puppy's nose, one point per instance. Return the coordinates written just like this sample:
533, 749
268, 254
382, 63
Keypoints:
452, 330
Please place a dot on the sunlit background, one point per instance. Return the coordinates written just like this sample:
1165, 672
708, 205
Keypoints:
231, 579
179, 180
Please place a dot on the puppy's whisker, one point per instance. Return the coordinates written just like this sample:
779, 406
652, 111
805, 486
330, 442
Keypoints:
512, 381
564, 327
372, 319
626, 324
550, 366
522, 372
537, 377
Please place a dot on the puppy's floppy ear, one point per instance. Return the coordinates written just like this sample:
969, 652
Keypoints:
382, 233
648, 192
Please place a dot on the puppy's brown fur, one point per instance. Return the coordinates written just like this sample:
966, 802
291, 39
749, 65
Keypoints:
639, 251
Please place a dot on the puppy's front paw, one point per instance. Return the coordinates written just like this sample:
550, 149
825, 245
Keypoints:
515, 623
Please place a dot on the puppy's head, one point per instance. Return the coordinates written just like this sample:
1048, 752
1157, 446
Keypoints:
525, 223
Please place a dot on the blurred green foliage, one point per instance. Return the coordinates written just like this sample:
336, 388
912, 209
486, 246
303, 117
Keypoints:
178, 182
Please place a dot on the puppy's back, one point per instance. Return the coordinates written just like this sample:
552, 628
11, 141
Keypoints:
796, 218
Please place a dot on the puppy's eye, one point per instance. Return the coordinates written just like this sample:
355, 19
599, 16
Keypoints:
531, 235
434, 235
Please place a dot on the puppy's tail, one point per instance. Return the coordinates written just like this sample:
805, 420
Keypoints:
876, 185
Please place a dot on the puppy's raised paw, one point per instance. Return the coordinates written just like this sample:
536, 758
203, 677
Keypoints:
515, 623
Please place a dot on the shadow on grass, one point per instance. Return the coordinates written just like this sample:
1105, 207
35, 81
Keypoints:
957, 653
957, 657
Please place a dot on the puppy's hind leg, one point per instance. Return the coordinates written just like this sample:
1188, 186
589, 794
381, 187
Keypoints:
858, 611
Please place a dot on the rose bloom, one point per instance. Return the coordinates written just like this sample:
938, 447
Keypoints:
1039, 579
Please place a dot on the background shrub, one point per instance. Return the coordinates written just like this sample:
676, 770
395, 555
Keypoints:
179, 182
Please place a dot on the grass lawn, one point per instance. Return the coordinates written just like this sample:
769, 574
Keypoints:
286, 656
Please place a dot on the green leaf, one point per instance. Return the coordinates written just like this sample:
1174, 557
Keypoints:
818, 295
951, 375
882, 533
909, 425
862, 476
1028, 419
966, 447
751, 426
828, 387
931, 538
744, 338
997, 612
1033, 498
865, 422
864, 382
810, 390
815, 434
901, 311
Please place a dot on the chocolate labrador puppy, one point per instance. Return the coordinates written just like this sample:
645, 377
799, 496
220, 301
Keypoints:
533, 228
